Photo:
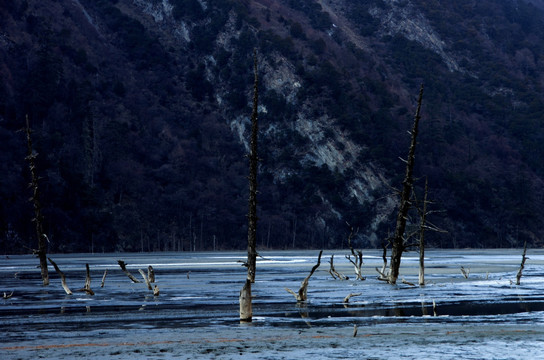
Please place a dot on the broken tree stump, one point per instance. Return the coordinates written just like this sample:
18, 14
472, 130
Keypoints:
87, 286
127, 273
302, 294
151, 274
62, 277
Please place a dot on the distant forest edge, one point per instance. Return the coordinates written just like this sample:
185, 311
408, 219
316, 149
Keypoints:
140, 116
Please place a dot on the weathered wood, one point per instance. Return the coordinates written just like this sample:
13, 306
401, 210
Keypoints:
146, 279
302, 294
62, 277
354, 330
123, 266
156, 291
151, 274
346, 299
334, 273
357, 261
422, 237
104, 278
253, 167
87, 286
466, 272
522, 266
398, 246
7, 296
38, 216
246, 310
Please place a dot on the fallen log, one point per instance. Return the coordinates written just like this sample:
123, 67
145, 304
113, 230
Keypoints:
302, 294
62, 277
127, 273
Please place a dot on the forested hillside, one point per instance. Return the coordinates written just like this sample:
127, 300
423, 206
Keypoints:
140, 115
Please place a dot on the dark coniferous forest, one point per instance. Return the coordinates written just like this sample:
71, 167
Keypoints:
140, 112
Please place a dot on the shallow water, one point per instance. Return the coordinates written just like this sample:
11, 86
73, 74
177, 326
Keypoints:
196, 315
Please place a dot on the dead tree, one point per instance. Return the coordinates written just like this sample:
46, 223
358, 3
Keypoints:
422, 237
335, 274
151, 274
522, 266
38, 217
302, 294
398, 245
357, 261
127, 273
146, 279
62, 277
246, 312
87, 286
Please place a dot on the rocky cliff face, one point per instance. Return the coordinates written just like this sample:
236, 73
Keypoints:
141, 113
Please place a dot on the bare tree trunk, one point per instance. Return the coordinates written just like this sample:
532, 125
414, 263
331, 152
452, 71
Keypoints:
302, 294
405, 203
62, 277
87, 286
38, 217
522, 266
246, 312
422, 238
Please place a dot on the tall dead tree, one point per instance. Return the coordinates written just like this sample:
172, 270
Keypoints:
422, 237
246, 312
38, 217
399, 245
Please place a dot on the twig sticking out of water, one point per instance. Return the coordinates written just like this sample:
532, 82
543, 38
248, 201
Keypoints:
104, 278
466, 272
523, 258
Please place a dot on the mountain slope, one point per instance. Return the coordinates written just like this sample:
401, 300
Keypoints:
140, 111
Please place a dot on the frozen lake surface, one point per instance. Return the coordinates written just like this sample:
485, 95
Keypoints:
196, 314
